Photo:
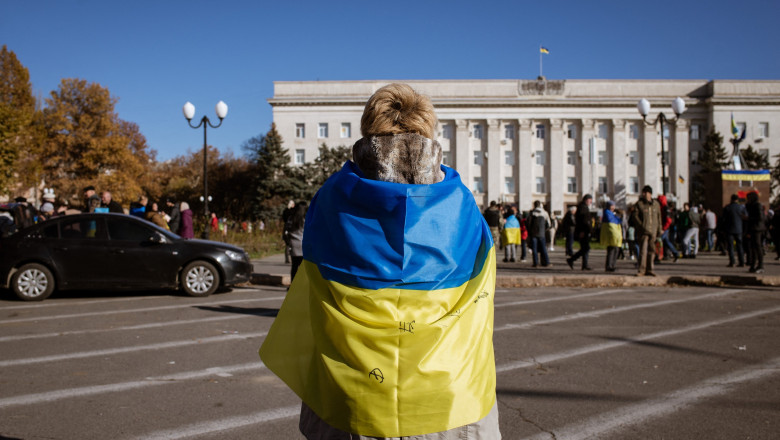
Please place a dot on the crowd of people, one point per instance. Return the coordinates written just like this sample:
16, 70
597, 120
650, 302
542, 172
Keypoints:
647, 232
167, 214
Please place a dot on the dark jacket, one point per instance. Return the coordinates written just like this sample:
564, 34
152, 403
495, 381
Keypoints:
175, 215
756, 219
582, 221
646, 219
113, 206
540, 222
492, 217
732, 217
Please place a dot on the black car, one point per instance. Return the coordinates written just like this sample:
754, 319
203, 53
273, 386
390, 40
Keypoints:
114, 251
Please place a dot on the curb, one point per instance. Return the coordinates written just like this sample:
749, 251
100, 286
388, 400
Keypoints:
589, 280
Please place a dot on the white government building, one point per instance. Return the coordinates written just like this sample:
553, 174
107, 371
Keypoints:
551, 140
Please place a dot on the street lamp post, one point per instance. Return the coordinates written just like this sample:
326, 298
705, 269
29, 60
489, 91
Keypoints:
678, 106
189, 113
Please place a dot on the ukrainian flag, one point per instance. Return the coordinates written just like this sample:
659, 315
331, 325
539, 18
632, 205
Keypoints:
387, 328
543, 50
511, 234
734, 128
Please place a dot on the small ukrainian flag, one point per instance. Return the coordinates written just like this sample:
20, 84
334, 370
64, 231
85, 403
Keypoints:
543, 49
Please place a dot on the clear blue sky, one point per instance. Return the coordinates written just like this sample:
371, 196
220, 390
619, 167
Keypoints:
156, 55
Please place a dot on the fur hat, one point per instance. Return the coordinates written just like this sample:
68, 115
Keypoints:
48, 194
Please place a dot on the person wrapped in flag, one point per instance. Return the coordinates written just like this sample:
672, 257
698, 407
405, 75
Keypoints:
511, 235
387, 327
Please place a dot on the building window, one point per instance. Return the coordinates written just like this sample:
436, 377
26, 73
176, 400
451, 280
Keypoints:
633, 131
478, 158
539, 157
571, 131
509, 185
322, 130
509, 157
300, 131
571, 157
763, 129
633, 157
603, 185
509, 131
633, 185
300, 156
477, 187
603, 129
446, 131
540, 131
477, 132
541, 188
445, 158
346, 130
602, 158
695, 132
571, 185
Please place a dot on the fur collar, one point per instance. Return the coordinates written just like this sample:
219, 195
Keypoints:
400, 158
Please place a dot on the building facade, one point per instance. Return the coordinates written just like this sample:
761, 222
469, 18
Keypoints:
551, 140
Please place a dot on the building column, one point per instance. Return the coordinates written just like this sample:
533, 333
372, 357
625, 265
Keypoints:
525, 182
587, 186
492, 175
680, 161
462, 154
617, 163
651, 159
554, 168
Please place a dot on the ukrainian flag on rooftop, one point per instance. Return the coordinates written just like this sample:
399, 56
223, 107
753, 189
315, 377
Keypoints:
393, 298
543, 49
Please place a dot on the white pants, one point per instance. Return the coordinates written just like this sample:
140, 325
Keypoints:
692, 232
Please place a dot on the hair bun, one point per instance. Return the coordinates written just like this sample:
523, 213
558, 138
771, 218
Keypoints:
395, 109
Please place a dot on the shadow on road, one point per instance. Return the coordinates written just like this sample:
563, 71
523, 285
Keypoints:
675, 348
254, 311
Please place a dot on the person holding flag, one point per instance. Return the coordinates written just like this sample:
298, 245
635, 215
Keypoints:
387, 328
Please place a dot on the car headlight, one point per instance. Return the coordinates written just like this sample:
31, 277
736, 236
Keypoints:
237, 256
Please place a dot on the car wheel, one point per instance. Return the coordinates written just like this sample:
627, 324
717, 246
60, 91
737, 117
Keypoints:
199, 278
33, 282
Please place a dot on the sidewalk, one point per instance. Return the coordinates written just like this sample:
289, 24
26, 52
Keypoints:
707, 269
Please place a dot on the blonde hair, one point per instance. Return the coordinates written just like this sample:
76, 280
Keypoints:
395, 109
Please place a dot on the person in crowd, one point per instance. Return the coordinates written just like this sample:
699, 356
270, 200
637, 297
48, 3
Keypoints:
154, 215
214, 222
94, 204
510, 235
493, 218
582, 230
185, 228
611, 235
731, 220
631, 238
568, 226
294, 236
667, 215
523, 218
754, 233
88, 192
329, 342
110, 203
774, 228
46, 212
286, 216
174, 214
691, 236
539, 224
553, 229
710, 223
646, 219
139, 208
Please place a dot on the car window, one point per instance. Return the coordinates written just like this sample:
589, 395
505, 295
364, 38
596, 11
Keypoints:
122, 229
88, 229
50, 231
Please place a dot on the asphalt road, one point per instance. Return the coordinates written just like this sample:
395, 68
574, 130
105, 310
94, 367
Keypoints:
638, 363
